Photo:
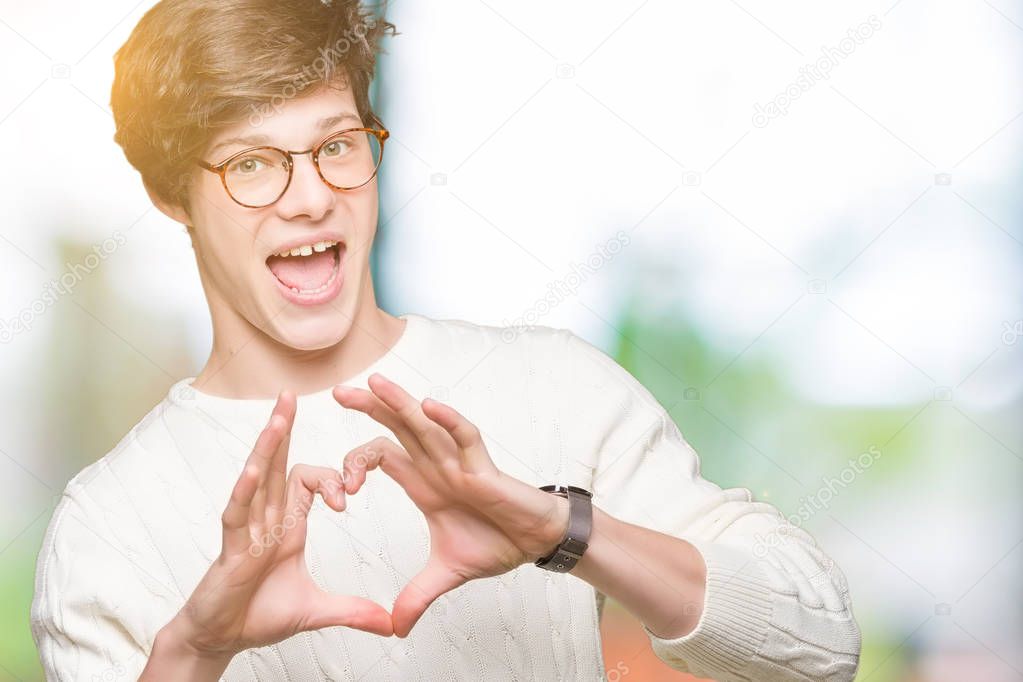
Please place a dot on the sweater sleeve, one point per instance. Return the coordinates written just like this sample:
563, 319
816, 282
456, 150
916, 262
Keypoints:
90, 596
776, 607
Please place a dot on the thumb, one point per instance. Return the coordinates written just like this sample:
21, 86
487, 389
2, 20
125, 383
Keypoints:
328, 609
421, 591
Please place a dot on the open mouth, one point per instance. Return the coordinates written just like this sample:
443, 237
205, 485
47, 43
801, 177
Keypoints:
307, 270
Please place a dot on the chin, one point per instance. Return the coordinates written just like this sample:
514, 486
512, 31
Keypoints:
313, 334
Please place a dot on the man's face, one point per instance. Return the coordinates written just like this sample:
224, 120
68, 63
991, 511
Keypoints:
306, 301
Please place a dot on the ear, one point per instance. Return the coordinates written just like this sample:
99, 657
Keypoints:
173, 211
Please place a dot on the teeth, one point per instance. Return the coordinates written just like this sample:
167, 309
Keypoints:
308, 249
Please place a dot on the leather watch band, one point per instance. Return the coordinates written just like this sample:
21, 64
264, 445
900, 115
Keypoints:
580, 523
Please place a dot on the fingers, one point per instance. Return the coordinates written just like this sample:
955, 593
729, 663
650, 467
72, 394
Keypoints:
370, 404
436, 441
380, 452
266, 450
465, 434
278, 469
259, 460
305, 481
419, 593
329, 609
288, 529
235, 519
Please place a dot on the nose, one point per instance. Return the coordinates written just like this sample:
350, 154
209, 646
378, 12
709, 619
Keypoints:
307, 195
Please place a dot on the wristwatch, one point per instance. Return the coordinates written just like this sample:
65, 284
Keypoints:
580, 522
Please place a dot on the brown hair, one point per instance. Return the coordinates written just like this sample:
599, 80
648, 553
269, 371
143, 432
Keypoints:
191, 67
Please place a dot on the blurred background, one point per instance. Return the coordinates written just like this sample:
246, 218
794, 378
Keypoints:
798, 225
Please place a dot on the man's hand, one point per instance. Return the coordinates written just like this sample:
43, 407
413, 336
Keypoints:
482, 522
259, 591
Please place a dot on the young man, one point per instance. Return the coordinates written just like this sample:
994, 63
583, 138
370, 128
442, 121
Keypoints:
194, 549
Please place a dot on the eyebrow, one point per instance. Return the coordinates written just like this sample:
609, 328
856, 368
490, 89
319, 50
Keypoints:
254, 140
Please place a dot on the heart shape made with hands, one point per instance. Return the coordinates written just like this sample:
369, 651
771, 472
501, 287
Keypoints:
482, 522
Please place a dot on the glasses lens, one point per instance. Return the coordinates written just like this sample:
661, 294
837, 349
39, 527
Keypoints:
348, 160
258, 177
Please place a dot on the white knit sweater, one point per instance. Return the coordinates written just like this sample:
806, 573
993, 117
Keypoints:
135, 531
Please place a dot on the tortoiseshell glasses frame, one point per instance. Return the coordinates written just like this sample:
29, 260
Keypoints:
380, 133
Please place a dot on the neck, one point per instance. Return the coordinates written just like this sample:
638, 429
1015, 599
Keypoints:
254, 365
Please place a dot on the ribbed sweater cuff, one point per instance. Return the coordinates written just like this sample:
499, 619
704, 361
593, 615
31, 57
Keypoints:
737, 611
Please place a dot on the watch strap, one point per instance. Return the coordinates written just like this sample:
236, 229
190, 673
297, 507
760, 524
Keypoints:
580, 523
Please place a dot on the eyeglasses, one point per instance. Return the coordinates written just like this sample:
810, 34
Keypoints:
345, 160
